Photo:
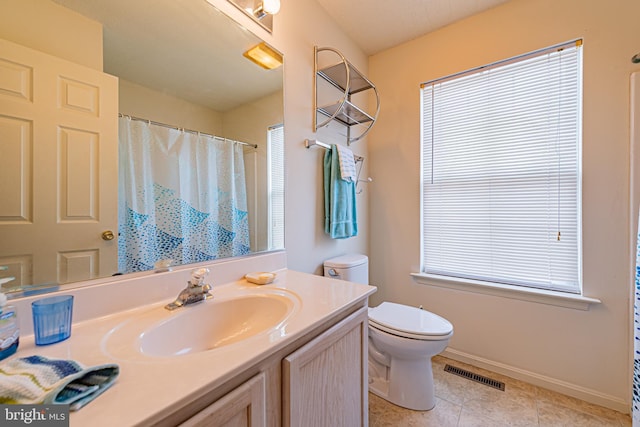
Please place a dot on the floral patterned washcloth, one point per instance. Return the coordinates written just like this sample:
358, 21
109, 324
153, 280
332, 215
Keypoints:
38, 380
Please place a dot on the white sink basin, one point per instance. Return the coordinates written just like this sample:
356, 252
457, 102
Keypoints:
205, 326
208, 326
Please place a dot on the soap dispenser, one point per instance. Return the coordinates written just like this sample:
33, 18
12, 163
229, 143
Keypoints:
9, 331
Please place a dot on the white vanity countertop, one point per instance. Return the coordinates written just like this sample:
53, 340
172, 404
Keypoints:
150, 385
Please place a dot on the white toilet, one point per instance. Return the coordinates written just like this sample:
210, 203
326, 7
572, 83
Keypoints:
402, 341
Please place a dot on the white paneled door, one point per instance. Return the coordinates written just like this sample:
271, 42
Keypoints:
58, 168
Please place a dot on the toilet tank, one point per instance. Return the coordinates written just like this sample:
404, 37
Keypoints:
350, 267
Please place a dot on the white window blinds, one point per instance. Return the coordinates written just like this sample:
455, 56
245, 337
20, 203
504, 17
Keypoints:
276, 186
501, 172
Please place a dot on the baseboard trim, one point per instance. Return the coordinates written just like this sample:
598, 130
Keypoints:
573, 390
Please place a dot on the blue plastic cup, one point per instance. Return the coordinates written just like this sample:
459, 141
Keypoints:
52, 319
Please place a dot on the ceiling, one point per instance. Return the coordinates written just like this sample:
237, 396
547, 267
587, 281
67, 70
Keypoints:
376, 25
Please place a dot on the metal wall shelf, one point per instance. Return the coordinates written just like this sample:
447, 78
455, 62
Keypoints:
337, 76
346, 113
347, 79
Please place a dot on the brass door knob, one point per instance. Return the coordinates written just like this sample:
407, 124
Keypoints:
108, 235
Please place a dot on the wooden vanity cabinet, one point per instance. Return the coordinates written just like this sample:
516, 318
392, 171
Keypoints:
318, 380
244, 406
325, 381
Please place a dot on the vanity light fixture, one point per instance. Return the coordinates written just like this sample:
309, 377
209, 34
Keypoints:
261, 11
264, 55
271, 6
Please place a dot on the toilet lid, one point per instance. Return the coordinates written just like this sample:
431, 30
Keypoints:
408, 321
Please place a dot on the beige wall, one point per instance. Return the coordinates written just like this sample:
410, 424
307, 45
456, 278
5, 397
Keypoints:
139, 101
586, 353
52, 29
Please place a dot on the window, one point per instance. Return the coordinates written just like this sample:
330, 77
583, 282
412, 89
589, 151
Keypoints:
501, 172
275, 163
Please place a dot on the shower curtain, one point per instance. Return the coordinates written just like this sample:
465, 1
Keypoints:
636, 341
182, 197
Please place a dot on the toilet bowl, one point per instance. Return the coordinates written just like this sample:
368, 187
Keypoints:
402, 341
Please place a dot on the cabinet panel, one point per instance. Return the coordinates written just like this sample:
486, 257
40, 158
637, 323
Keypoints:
325, 381
244, 406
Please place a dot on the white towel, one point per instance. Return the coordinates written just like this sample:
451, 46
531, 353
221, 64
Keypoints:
347, 163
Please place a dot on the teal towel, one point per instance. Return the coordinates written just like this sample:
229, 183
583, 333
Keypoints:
38, 380
340, 220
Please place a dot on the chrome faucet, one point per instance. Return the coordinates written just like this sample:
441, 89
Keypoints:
195, 291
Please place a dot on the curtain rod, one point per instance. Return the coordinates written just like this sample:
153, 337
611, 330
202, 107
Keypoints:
151, 122
311, 142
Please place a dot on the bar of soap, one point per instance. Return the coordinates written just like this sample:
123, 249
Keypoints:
260, 278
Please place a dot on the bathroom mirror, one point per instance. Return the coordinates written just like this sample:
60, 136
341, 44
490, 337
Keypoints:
180, 64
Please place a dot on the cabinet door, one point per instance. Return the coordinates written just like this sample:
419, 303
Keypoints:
244, 406
325, 381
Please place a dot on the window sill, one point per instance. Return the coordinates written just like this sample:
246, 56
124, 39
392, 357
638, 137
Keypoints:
542, 296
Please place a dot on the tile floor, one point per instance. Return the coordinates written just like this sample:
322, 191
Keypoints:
465, 403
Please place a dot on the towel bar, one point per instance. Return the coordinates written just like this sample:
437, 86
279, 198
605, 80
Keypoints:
314, 142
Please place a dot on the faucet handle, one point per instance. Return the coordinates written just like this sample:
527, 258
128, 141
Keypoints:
198, 275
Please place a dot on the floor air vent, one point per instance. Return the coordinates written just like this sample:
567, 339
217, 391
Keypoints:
475, 377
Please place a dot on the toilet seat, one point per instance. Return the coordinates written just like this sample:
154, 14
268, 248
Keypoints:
409, 322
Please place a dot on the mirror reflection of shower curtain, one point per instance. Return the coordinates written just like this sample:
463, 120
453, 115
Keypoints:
635, 250
182, 197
